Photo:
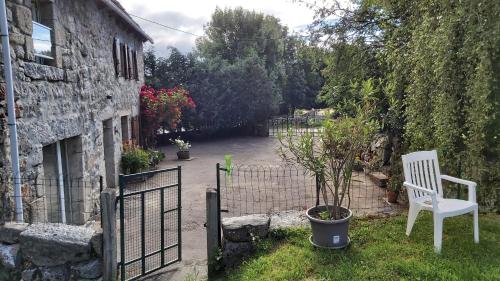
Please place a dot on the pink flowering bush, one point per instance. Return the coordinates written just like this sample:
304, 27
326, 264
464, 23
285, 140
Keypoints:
162, 109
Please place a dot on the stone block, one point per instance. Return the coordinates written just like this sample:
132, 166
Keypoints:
28, 274
243, 229
234, 252
43, 72
91, 269
22, 15
55, 273
9, 232
379, 178
288, 219
96, 242
16, 38
9, 256
48, 244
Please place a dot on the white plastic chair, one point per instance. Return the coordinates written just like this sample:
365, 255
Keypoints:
425, 192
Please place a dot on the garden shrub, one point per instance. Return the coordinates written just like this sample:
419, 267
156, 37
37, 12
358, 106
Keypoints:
134, 159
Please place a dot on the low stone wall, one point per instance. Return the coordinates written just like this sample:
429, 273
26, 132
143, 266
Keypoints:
50, 252
241, 233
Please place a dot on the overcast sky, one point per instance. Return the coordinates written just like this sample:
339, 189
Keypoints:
191, 15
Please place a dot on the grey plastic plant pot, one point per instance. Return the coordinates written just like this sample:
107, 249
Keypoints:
331, 234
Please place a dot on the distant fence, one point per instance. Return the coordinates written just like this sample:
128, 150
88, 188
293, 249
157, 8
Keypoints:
254, 189
42, 199
295, 125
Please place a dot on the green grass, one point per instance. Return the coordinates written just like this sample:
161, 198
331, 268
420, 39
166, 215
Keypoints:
380, 250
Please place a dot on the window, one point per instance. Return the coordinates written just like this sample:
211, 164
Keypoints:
125, 61
41, 13
125, 133
62, 164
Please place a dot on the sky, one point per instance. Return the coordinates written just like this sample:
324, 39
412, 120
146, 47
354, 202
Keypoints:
192, 15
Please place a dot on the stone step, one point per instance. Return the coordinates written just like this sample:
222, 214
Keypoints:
379, 179
243, 229
40, 241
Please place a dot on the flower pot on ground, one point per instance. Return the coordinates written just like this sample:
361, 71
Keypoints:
392, 197
183, 148
332, 234
330, 156
183, 154
393, 189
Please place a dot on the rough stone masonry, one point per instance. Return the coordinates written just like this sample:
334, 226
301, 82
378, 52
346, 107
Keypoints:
71, 97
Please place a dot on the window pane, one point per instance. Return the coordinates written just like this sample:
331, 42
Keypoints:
41, 40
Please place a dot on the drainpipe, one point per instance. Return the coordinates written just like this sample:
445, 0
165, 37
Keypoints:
61, 182
11, 111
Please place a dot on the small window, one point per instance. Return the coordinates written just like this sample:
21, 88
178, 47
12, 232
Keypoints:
125, 60
42, 32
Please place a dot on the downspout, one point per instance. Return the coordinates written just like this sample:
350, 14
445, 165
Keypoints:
60, 180
11, 111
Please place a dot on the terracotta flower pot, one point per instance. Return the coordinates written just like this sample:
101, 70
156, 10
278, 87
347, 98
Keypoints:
392, 196
183, 154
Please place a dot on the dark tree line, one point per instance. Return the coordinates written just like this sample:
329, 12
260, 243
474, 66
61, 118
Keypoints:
245, 69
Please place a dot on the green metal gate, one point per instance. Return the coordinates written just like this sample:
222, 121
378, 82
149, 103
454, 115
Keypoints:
150, 222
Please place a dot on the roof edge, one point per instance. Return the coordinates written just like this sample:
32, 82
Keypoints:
126, 17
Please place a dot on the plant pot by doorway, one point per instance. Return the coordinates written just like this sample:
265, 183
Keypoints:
330, 234
183, 154
392, 196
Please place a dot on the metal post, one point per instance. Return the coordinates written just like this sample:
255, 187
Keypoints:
122, 228
100, 191
179, 207
60, 182
162, 226
219, 234
143, 233
11, 112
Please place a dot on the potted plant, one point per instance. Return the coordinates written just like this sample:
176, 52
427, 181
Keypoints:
330, 155
183, 148
394, 186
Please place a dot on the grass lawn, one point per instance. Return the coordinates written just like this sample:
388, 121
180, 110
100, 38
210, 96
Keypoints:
380, 250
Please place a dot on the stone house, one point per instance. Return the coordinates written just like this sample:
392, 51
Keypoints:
78, 69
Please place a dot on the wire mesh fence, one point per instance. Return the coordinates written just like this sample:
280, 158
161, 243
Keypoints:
67, 200
258, 189
149, 215
295, 125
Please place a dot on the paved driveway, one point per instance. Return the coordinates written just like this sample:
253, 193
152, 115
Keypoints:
197, 175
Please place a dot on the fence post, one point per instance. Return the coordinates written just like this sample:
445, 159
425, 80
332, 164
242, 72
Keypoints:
212, 225
219, 236
108, 223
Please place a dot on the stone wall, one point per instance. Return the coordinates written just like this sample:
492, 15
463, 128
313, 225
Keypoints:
50, 252
241, 233
75, 95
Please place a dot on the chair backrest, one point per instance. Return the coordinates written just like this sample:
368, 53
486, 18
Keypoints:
421, 168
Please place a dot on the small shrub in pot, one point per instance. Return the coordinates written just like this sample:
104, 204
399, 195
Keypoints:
330, 155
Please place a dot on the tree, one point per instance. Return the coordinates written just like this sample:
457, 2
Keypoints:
438, 64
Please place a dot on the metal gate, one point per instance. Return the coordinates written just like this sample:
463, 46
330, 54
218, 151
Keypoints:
150, 222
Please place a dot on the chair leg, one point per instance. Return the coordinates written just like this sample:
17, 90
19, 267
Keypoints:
438, 233
412, 216
476, 226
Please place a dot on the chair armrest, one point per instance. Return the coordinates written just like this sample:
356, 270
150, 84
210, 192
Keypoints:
418, 188
431, 193
470, 185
